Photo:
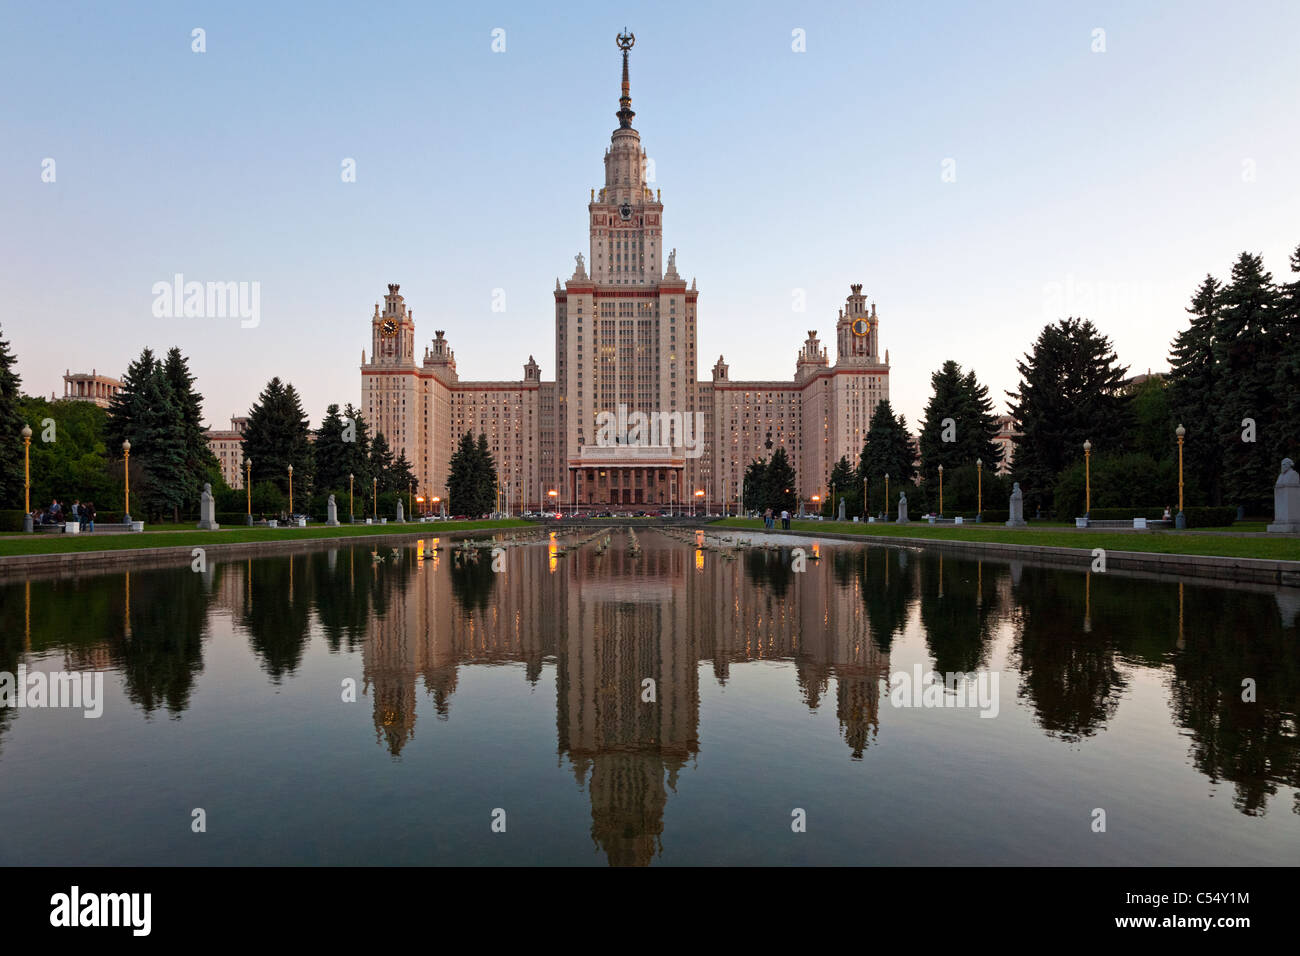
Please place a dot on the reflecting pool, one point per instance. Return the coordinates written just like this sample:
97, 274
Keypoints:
603, 699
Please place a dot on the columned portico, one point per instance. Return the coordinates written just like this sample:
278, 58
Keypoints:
627, 478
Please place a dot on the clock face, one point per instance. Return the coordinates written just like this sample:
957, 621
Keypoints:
625, 211
861, 326
388, 329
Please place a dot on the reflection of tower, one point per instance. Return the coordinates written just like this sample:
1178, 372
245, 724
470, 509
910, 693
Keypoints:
390, 659
628, 625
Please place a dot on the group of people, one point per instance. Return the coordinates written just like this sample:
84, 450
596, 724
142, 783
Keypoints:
78, 513
769, 519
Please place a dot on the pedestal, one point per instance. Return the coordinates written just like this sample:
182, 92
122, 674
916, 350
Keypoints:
248, 520
1180, 522
28, 526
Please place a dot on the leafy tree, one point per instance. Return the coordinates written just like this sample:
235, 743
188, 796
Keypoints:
11, 426
75, 465
1069, 392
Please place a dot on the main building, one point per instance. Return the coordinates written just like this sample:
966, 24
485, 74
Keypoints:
625, 342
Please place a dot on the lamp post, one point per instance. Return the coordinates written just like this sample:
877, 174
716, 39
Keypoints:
1087, 478
979, 490
351, 515
410, 498
375, 489
126, 474
291, 492
248, 489
1180, 521
886, 496
553, 495
27, 479
699, 493
941, 491
864, 498
437, 501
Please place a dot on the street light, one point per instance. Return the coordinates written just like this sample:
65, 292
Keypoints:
699, 493
291, 492
437, 501
1180, 522
864, 497
248, 488
410, 497
979, 492
553, 494
376, 497
886, 496
941, 491
1087, 477
27, 479
126, 474
351, 516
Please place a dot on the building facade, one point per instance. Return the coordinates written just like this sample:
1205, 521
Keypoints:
90, 387
228, 447
625, 350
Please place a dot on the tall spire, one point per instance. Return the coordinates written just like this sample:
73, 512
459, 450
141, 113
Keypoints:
625, 114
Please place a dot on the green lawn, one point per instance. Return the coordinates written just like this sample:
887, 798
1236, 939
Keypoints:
22, 544
1280, 548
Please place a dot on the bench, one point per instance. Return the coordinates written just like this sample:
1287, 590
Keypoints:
1152, 524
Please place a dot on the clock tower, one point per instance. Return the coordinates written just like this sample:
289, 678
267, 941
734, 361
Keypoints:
392, 332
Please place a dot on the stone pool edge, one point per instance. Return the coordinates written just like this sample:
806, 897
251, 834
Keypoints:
78, 562
1246, 570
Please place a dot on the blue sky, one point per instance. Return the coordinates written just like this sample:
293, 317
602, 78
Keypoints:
1103, 184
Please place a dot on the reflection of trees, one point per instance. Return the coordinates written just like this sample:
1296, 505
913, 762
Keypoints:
275, 610
341, 582
472, 579
888, 586
1067, 657
1231, 636
161, 652
959, 608
770, 568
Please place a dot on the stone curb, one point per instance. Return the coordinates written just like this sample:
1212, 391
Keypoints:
1253, 570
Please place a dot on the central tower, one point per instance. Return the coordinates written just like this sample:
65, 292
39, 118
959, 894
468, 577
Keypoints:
625, 335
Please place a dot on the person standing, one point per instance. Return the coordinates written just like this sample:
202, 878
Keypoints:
88, 514
785, 519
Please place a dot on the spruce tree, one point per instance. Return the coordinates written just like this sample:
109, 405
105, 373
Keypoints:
889, 450
845, 486
1194, 392
197, 455
11, 427
1286, 382
782, 484
381, 463
486, 475
1069, 393
331, 452
1243, 350
356, 457
462, 477
126, 404
277, 437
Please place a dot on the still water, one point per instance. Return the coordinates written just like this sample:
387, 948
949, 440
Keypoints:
520, 696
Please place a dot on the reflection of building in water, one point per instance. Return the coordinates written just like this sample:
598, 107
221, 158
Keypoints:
805, 617
626, 622
611, 623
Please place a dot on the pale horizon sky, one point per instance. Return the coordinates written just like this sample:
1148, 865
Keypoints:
1102, 184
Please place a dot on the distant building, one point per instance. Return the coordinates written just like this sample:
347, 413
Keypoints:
228, 446
625, 345
1005, 440
90, 387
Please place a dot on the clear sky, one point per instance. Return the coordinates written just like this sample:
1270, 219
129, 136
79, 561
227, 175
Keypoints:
1103, 184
